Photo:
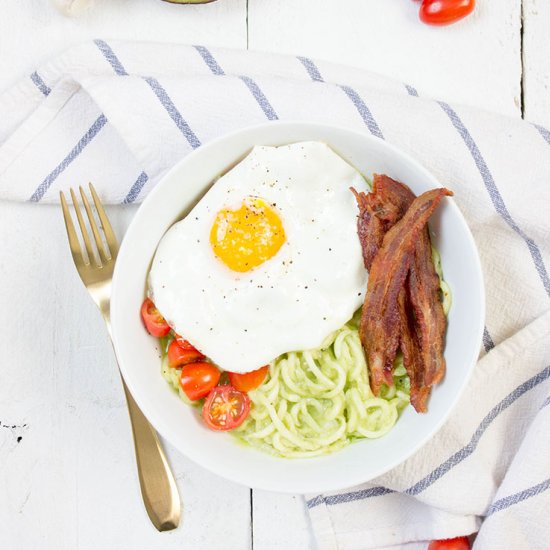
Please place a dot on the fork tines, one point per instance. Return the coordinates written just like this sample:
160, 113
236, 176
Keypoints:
104, 250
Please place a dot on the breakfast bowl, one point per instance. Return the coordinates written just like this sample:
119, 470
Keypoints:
139, 353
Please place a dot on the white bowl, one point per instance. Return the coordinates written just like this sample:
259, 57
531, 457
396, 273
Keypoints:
180, 424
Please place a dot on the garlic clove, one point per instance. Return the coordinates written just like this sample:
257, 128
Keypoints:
72, 7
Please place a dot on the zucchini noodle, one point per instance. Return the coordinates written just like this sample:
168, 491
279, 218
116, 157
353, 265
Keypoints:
445, 289
317, 401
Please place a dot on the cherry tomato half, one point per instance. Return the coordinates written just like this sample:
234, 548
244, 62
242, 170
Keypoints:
225, 408
180, 354
458, 543
249, 380
154, 322
197, 379
444, 12
182, 341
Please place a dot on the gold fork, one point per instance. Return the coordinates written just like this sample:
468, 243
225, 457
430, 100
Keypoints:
95, 267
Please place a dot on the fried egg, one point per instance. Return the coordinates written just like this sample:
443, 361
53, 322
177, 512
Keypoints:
268, 261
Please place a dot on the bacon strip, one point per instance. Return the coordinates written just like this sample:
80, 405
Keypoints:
429, 316
411, 349
381, 325
379, 211
421, 312
369, 227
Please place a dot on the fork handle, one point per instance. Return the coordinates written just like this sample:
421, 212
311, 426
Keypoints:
158, 486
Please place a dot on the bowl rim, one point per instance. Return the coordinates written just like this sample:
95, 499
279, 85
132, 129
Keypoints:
161, 426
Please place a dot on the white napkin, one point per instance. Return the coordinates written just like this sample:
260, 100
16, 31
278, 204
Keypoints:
121, 114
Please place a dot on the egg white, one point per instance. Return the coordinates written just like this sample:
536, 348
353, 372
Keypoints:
310, 288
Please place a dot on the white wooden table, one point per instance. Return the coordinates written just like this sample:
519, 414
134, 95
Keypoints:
67, 473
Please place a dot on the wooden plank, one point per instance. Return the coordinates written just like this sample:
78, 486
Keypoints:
280, 521
476, 61
536, 61
37, 31
70, 481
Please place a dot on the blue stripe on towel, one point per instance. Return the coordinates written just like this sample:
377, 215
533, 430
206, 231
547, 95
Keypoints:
209, 60
111, 57
506, 502
451, 462
364, 111
543, 132
75, 151
158, 90
355, 98
411, 90
331, 500
260, 97
172, 110
311, 68
466, 451
40, 84
136, 188
312, 503
488, 343
252, 85
495, 195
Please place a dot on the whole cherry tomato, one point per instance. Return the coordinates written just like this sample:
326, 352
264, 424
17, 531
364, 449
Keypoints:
198, 379
458, 543
444, 12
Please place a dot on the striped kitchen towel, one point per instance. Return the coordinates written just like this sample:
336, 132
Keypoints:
121, 114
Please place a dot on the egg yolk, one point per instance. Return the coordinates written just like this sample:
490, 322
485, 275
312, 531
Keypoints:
247, 237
